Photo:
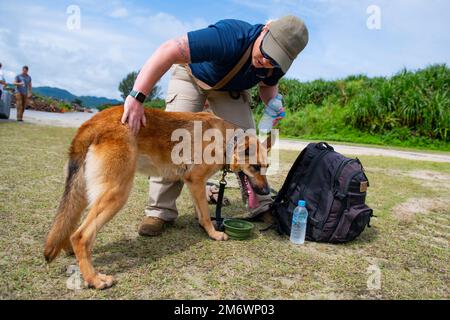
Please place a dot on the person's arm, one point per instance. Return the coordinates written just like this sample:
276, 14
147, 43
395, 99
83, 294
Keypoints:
267, 93
17, 82
30, 92
171, 52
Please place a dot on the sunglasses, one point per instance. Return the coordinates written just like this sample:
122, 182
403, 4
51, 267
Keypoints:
266, 56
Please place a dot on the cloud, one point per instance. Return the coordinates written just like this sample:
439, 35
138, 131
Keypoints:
119, 13
413, 35
93, 59
89, 61
164, 26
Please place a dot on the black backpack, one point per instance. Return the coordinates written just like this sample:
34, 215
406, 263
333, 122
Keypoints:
334, 188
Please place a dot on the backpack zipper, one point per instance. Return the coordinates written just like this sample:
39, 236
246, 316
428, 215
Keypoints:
347, 183
339, 171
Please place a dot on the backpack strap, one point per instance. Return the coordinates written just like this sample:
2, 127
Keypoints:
219, 85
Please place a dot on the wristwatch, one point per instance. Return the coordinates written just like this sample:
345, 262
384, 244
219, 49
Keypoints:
139, 96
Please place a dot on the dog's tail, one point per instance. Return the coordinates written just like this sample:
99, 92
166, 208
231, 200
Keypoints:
73, 201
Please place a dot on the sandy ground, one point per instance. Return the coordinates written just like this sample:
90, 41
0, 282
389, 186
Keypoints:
69, 119
75, 119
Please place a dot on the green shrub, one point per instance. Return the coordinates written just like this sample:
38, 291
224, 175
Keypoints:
64, 106
419, 101
157, 104
408, 106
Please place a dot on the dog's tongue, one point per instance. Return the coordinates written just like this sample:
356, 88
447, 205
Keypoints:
252, 200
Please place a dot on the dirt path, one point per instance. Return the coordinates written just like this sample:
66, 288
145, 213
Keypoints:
75, 119
69, 119
371, 151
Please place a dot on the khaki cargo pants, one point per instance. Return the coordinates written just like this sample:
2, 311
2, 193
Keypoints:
21, 104
185, 95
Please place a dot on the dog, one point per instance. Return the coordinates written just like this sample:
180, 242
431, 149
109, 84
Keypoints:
103, 158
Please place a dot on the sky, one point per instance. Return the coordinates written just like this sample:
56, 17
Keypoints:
116, 37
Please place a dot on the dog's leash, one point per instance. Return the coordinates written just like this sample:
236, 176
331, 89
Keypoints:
218, 216
222, 184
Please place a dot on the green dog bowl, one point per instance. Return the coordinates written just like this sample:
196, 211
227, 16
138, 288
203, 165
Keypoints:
238, 229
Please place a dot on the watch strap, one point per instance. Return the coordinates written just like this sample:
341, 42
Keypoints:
139, 96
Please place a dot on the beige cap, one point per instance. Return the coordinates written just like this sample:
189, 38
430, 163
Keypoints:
286, 38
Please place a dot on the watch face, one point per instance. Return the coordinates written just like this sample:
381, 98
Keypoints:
140, 97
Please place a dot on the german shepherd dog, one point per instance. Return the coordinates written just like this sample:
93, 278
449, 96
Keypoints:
103, 158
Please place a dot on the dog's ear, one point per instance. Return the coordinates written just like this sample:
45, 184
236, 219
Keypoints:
240, 152
234, 162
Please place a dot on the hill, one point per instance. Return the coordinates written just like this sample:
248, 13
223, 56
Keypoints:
88, 101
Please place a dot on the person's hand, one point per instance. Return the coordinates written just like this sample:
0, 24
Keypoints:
133, 114
280, 116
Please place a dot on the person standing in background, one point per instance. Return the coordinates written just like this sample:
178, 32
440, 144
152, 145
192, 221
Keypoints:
23, 91
2, 80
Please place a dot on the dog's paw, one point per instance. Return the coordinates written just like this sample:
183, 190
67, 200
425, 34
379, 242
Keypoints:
100, 282
219, 236
51, 252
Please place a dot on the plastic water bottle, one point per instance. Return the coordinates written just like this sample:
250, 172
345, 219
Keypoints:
299, 219
271, 112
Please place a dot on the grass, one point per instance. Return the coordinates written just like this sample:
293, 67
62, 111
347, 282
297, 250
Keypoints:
328, 123
412, 253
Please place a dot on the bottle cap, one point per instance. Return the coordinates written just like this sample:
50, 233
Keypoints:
302, 203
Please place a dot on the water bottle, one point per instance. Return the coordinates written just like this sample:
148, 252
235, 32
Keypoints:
271, 112
299, 219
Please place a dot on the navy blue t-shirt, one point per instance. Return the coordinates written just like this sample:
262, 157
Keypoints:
217, 49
